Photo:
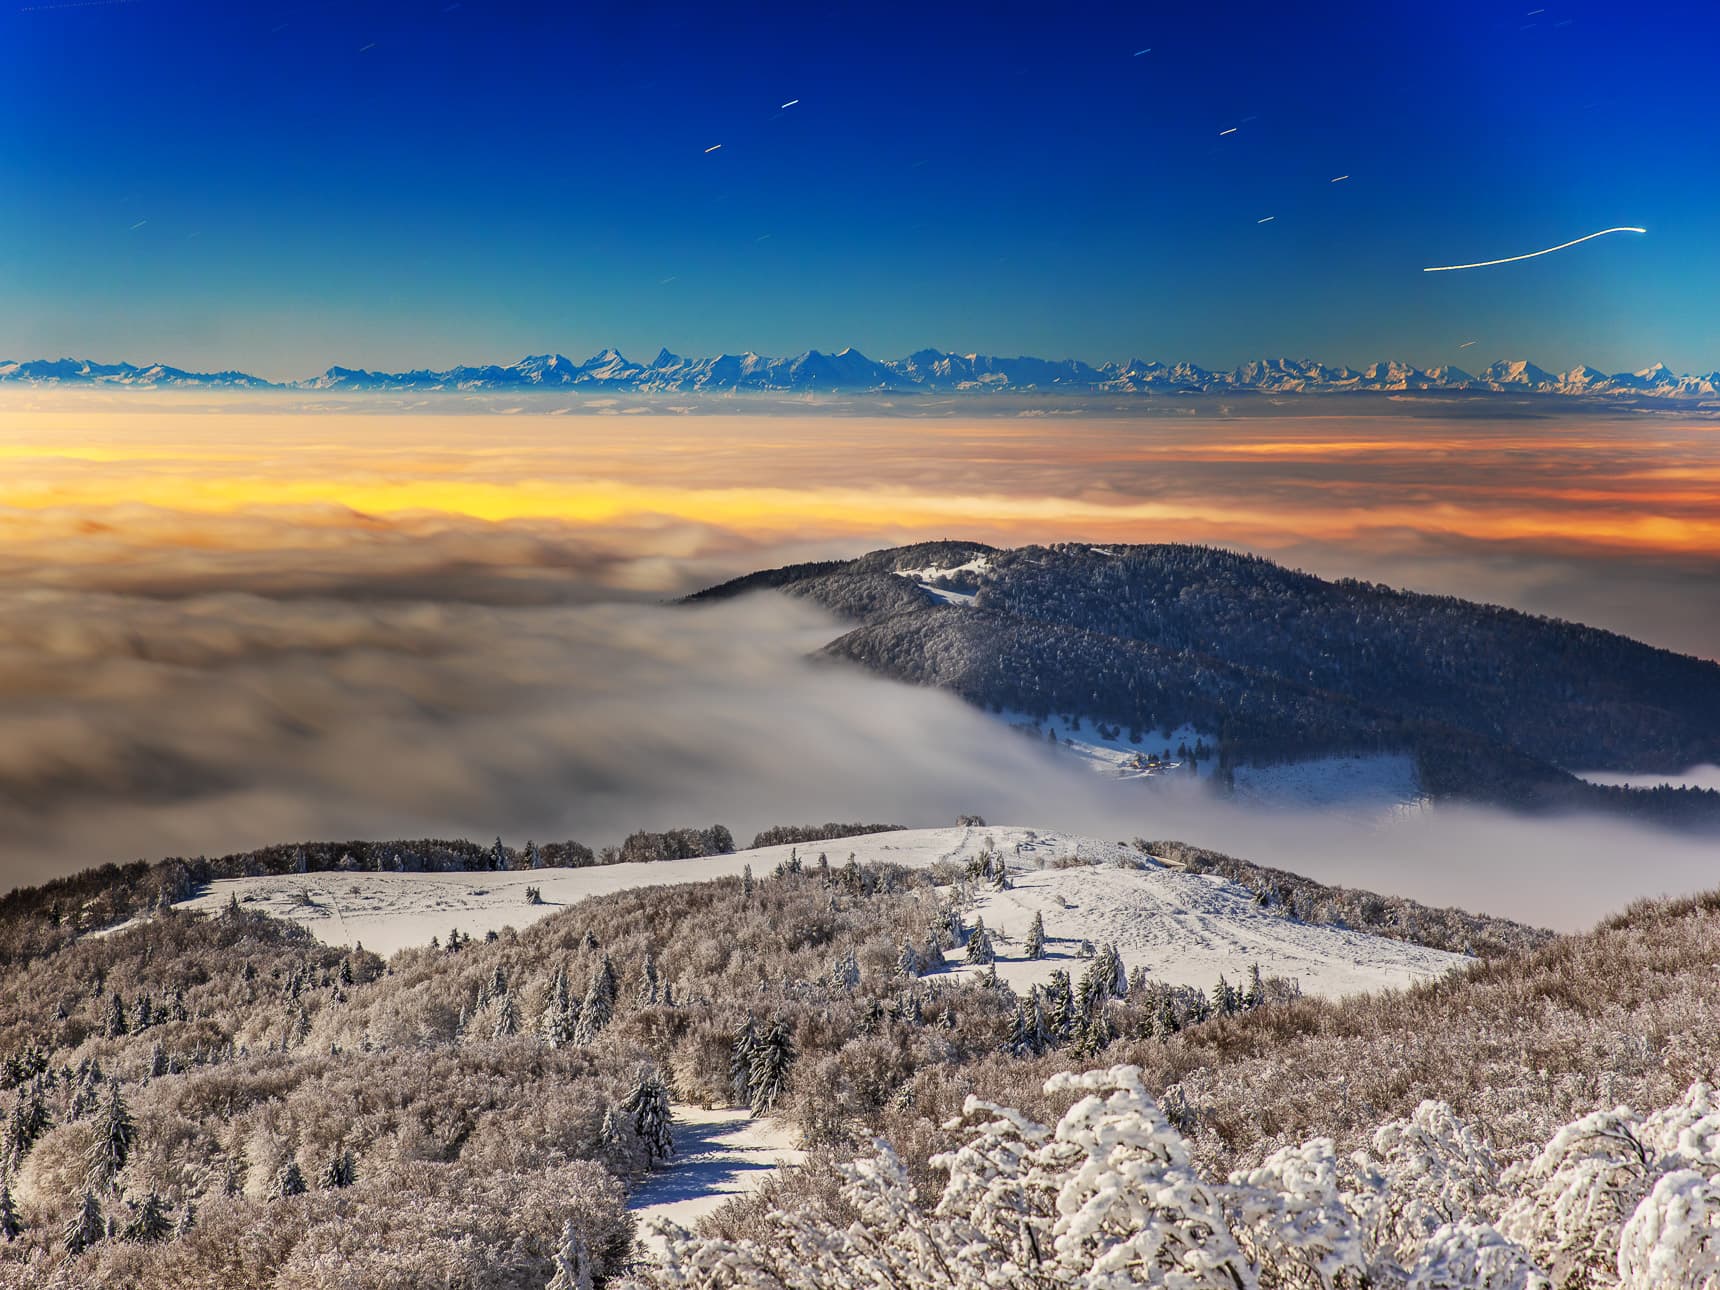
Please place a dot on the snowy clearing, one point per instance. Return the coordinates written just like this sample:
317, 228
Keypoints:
1707, 776
1358, 783
1183, 928
719, 1154
1183, 753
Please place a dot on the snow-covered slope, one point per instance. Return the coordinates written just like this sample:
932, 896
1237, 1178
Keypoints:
1183, 928
1359, 784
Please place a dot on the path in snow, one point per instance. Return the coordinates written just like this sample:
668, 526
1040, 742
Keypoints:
1183, 928
719, 1154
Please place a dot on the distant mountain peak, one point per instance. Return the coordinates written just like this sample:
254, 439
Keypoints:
929, 370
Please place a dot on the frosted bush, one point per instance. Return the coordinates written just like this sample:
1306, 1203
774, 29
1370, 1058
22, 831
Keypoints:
1108, 1198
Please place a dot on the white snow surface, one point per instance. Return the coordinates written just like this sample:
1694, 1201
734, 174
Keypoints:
1364, 784
922, 578
1705, 776
1357, 781
719, 1154
1183, 928
1158, 755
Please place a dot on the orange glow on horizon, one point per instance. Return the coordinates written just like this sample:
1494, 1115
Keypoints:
1266, 483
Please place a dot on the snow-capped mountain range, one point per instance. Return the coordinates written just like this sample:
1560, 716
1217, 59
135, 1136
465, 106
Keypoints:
929, 370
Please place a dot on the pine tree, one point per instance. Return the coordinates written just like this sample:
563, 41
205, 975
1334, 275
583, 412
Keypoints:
84, 1228
187, 1218
747, 881
116, 1016
1256, 993
598, 1006
1223, 998
115, 1134
741, 1053
1059, 1005
908, 962
932, 960
339, 1171
507, 1022
290, 1181
498, 982
979, 950
1166, 1023
11, 1227
648, 982
648, 1105
560, 1017
1035, 947
149, 1224
572, 1262
845, 971
771, 1063
29, 1121
616, 1130
534, 857
1037, 1037
498, 855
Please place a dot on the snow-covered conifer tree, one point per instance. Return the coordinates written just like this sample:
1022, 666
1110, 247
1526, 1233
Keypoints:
648, 1105
572, 1262
741, 1053
1035, 947
979, 947
149, 1223
598, 1006
11, 1226
290, 1181
908, 962
114, 1136
85, 1227
772, 1060
1059, 1005
507, 1021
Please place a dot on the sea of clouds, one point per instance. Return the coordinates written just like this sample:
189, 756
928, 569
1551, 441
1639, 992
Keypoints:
327, 680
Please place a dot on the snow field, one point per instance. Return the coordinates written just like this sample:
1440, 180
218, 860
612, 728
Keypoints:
1184, 929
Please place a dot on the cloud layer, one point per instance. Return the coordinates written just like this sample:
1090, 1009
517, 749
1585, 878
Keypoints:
220, 629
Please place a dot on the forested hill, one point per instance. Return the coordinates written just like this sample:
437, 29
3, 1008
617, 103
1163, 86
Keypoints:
1278, 662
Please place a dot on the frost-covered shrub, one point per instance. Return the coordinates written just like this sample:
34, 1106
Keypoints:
1109, 1198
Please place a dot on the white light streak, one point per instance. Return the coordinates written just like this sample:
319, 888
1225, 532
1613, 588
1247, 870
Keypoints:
1222, 133
788, 105
1267, 220
1482, 264
712, 148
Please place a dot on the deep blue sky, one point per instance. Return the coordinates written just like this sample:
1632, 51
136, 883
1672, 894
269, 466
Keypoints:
394, 184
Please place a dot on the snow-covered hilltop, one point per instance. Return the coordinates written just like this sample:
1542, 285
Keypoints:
1183, 928
928, 370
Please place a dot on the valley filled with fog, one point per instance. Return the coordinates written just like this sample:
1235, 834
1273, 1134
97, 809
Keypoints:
461, 627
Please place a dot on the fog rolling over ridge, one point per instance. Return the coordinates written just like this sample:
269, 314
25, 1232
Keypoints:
211, 720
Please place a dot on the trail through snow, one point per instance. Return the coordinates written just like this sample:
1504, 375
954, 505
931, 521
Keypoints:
719, 1154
